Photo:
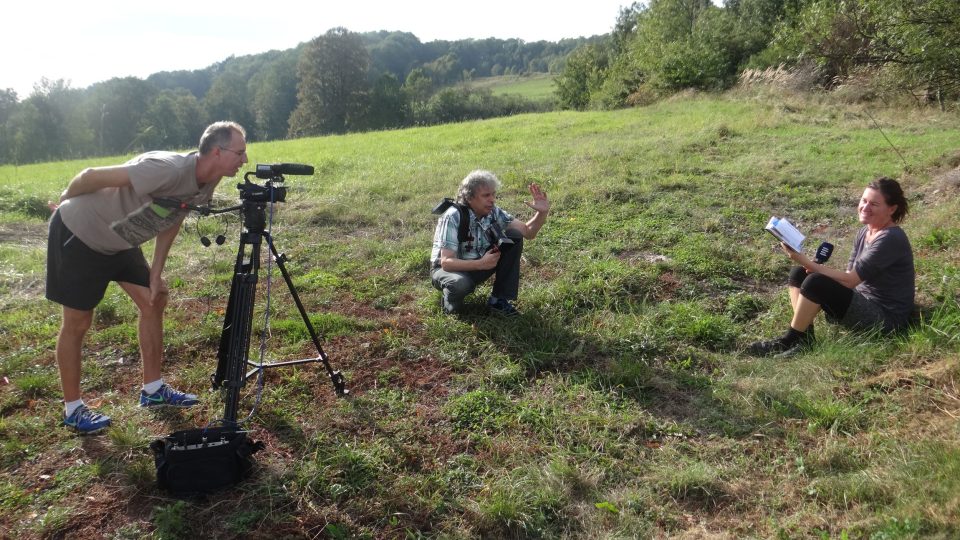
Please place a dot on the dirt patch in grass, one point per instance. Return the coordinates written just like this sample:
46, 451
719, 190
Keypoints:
645, 256
938, 373
25, 234
945, 181
368, 359
372, 361
930, 391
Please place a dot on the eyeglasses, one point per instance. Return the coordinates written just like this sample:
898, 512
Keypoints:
238, 153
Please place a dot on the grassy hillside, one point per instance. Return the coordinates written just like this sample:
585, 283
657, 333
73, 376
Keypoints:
620, 404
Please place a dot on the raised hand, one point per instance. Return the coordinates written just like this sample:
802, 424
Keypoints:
540, 201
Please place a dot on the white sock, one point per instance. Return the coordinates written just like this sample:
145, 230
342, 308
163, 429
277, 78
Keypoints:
152, 388
71, 406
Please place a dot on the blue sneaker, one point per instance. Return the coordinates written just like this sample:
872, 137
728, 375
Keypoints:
167, 397
502, 307
86, 422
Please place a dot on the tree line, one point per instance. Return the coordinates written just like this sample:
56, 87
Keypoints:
661, 46
340, 81
344, 81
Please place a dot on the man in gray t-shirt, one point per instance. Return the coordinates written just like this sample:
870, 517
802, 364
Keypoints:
95, 235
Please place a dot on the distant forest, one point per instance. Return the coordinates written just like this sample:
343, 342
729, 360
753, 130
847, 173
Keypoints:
344, 81
340, 81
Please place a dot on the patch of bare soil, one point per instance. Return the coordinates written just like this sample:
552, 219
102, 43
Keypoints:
931, 391
945, 182
24, 234
369, 359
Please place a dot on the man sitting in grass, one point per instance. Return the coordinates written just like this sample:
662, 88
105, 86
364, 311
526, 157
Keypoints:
463, 261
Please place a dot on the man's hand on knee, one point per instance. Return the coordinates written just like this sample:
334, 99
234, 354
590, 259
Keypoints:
158, 291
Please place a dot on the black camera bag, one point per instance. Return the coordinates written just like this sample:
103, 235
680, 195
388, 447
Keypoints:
200, 461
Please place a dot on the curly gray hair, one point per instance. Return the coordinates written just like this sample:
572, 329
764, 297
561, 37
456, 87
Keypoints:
474, 181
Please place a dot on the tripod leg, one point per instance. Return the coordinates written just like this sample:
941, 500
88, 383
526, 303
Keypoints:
237, 324
339, 383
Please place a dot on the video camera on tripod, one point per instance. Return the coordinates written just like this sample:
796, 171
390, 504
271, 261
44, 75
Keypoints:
235, 337
273, 174
207, 459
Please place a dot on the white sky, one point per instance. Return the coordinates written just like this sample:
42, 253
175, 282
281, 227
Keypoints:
89, 41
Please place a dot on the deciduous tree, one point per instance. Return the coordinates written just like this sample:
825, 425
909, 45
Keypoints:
174, 120
333, 82
583, 74
8, 105
114, 109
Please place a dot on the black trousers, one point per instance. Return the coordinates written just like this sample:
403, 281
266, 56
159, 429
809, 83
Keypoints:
832, 297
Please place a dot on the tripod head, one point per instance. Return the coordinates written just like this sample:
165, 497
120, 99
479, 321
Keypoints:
254, 197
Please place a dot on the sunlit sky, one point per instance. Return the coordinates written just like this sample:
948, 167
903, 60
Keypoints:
89, 41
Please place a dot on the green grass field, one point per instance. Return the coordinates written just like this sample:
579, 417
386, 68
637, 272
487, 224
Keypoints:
536, 87
619, 405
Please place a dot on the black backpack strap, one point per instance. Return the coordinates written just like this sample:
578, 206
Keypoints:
463, 232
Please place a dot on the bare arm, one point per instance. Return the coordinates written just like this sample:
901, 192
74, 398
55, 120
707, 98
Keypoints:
161, 249
541, 204
849, 279
450, 262
95, 179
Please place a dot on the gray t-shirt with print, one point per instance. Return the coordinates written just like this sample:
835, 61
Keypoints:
111, 220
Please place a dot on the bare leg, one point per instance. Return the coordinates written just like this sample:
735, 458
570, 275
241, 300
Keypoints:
149, 329
76, 322
794, 296
804, 312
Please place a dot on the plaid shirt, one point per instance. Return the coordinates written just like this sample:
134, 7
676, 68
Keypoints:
477, 242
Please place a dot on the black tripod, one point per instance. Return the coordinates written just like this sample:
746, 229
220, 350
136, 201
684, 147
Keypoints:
233, 354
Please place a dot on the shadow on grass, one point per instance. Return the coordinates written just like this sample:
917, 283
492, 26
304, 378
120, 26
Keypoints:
674, 386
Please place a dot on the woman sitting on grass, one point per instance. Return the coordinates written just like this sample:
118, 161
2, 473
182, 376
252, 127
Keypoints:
876, 290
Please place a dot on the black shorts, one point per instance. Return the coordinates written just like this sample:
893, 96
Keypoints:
832, 297
77, 276
841, 305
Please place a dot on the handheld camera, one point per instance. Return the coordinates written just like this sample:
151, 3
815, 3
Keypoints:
498, 238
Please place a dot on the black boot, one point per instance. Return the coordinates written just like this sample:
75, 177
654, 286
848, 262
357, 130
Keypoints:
803, 341
790, 343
